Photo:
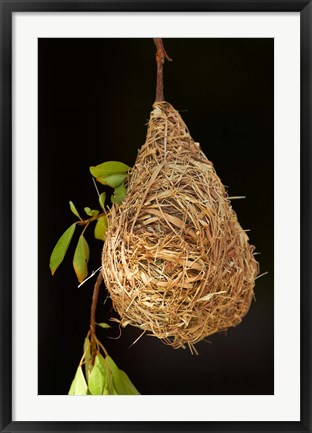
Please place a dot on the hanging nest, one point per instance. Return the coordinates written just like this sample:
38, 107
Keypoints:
175, 261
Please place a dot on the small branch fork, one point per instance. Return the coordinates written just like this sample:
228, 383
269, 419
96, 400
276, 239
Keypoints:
161, 55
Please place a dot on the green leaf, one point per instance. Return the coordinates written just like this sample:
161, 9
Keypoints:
98, 376
119, 194
126, 385
61, 248
109, 388
121, 381
110, 385
102, 198
96, 381
87, 354
74, 210
113, 180
79, 385
103, 325
72, 387
100, 228
91, 212
108, 168
105, 369
81, 258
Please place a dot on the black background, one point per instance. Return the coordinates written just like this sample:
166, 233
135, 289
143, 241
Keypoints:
95, 96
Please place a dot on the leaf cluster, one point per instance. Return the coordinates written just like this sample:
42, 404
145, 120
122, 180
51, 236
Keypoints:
110, 173
101, 378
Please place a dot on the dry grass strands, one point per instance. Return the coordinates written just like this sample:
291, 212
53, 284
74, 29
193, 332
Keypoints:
175, 261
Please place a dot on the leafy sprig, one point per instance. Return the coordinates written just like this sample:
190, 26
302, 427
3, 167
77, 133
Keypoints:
103, 377
100, 375
110, 173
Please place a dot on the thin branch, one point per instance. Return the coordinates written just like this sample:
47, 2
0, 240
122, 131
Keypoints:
95, 297
161, 55
91, 219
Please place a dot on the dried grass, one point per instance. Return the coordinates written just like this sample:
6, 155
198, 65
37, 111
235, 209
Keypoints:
176, 262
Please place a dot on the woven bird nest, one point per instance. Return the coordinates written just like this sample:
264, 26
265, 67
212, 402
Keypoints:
176, 262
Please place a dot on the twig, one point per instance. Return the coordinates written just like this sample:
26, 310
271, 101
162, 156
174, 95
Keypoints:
92, 317
161, 55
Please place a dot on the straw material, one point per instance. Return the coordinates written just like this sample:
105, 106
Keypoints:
175, 261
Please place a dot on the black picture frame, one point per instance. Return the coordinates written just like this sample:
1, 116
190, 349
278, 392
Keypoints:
6, 11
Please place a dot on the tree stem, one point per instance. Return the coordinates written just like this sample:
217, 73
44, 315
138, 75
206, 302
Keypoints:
161, 55
95, 297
